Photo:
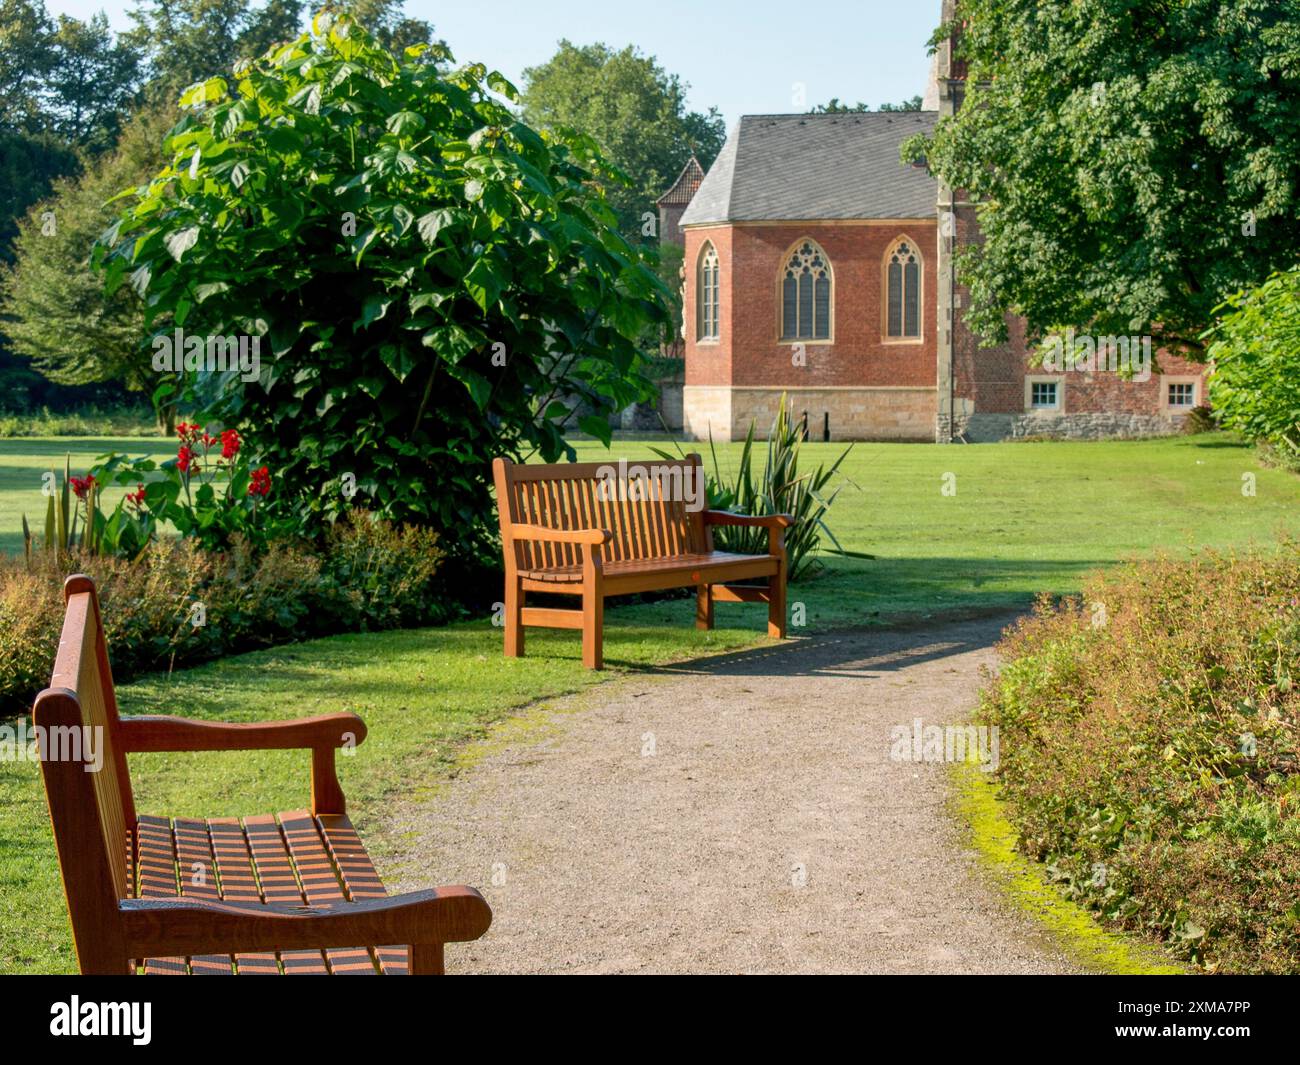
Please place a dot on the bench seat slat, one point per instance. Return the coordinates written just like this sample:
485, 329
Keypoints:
360, 880
279, 884
156, 868
320, 883
198, 880
292, 857
239, 884
680, 564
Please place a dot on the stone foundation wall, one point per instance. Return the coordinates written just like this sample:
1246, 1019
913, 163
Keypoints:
986, 428
706, 409
850, 413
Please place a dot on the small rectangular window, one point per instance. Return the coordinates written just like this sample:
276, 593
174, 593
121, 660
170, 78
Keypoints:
1043, 395
1182, 394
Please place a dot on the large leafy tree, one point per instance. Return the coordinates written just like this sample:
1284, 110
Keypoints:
636, 112
1134, 161
432, 281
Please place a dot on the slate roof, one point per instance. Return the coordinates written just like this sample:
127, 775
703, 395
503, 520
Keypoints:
683, 190
805, 167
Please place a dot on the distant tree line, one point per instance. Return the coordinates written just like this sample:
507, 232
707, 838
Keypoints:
83, 113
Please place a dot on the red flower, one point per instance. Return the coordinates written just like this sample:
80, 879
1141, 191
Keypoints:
229, 444
81, 485
261, 482
188, 433
208, 441
185, 459
136, 498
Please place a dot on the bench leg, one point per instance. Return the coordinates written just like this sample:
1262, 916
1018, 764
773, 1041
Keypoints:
776, 604
593, 629
514, 618
426, 959
704, 606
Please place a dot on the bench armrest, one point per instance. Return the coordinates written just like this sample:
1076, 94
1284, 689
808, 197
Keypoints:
725, 517
421, 919
561, 536
156, 732
320, 735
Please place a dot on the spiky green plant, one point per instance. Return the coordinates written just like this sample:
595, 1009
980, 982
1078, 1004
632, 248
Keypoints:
779, 489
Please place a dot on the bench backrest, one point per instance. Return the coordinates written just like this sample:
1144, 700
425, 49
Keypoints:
86, 784
654, 508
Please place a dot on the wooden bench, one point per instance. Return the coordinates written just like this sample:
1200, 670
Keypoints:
287, 893
576, 529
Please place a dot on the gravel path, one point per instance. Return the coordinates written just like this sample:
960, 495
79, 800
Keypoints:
735, 814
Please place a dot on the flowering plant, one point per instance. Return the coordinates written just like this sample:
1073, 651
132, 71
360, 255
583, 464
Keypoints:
208, 491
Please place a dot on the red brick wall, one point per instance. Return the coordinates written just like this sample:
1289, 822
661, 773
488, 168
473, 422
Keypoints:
749, 352
709, 363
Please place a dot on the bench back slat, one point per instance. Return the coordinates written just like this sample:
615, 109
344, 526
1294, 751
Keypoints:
647, 524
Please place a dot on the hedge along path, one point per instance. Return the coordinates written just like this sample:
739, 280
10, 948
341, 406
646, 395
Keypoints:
740, 813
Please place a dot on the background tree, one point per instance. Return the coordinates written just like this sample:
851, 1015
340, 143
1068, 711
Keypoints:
634, 110
26, 53
912, 104
186, 41
90, 84
55, 310
833, 106
432, 282
1134, 161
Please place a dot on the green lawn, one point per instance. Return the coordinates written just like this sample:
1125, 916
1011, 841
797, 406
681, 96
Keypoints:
1025, 517
23, 461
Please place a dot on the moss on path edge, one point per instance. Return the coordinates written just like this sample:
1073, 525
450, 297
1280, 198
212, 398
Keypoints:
1020, 881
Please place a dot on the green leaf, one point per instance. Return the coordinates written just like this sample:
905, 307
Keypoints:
404, 122
204, 92
502, 87
433, 223
483, 282
399, 360
374, 308
181, 240
596, 426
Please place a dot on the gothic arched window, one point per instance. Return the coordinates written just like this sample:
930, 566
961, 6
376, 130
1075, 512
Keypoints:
903, 290
806, 294
706, 294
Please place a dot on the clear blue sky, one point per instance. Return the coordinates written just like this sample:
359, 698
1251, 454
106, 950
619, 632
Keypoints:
742, 57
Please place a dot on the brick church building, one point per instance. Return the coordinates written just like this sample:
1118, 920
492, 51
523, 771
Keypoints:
818, 265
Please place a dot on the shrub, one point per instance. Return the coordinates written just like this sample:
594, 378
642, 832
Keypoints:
1150, 750
1255, 385
379, 575
180, 604
1200, 420
432, 283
